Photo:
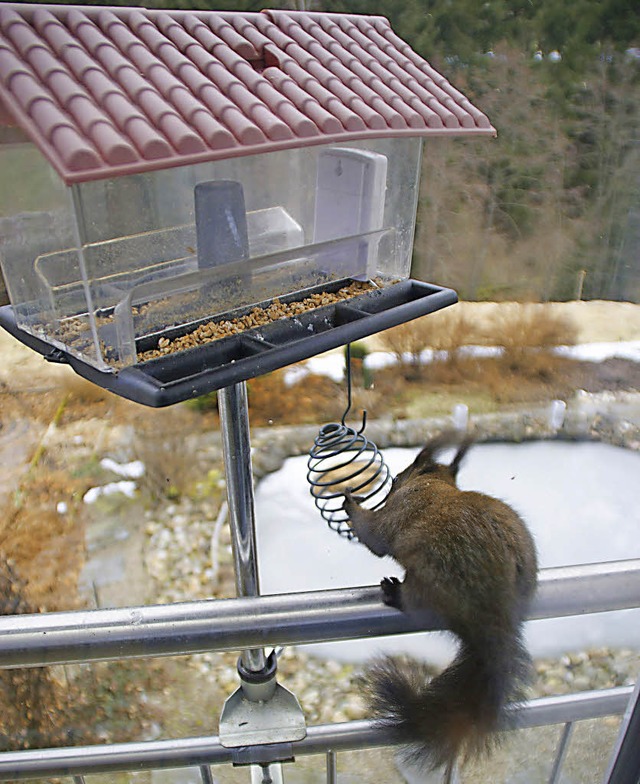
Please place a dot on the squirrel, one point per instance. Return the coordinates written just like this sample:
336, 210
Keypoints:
470, 558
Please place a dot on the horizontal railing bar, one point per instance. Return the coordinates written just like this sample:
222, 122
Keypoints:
587, 588
285, 619
578, 706
206, 750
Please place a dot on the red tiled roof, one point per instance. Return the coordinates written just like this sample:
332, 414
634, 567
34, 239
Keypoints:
107, 91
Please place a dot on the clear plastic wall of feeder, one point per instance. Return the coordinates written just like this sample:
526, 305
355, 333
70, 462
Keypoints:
105, 267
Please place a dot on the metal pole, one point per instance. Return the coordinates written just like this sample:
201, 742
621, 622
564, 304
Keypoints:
563, 748
236, 443
320, 739
288, 619
261, 711
332, 767
624, 767
206, 775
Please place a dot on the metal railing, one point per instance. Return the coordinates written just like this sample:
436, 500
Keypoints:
292, 619
204, 751
285, 619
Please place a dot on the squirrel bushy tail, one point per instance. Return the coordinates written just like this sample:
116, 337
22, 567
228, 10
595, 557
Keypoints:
453, 715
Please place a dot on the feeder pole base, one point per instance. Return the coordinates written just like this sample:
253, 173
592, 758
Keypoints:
247, 723
261, 711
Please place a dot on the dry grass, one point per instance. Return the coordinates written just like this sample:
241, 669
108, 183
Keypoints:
529, 326
528, 336
313, 399
526, 370
161, 442
46, 547
521, 330
34, 705
58, 706
79, 389
445, 332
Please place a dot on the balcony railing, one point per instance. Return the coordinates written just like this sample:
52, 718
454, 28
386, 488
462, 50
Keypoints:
292, 619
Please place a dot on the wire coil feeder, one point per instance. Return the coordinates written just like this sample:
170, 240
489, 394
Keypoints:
345, 459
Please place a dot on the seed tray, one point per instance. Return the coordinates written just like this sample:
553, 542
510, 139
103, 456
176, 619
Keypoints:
187, 374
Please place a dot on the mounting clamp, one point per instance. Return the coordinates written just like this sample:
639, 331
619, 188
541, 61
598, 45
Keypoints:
261, 712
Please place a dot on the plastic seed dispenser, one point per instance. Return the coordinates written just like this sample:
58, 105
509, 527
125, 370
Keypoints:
142, 267
193, 200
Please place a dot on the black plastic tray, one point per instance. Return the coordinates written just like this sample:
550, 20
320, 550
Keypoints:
188, 374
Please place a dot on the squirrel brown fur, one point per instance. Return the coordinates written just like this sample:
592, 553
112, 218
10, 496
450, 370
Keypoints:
470, 558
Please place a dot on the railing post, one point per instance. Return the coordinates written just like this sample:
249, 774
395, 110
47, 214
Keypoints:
624, 766
206, 775
332, 767
561, 753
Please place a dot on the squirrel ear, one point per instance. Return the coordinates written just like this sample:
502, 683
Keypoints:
424, 460
464, 447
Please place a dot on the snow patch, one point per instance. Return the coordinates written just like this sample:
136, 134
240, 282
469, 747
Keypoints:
126, 487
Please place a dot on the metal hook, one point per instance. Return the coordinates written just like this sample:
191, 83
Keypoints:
348, 408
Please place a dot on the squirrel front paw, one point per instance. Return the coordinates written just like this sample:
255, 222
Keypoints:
391, 593
350, 500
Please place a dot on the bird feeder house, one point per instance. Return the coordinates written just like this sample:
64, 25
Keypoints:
192, 198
